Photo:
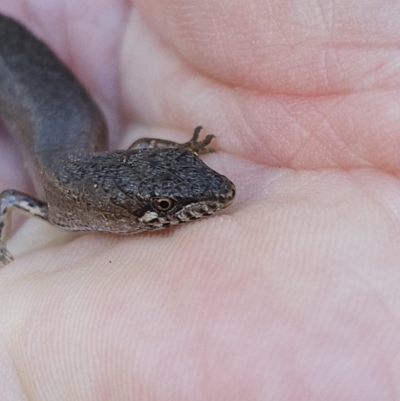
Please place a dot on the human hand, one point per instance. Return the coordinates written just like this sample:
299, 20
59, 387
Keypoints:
292, 293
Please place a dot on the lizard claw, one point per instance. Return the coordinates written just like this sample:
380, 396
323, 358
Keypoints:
5, 256
199, 147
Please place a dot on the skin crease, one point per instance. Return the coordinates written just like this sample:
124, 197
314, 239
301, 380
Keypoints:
290, 294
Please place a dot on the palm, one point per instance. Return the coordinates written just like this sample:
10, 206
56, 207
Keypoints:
270, 300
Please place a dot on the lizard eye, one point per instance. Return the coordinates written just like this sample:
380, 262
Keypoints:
163, 204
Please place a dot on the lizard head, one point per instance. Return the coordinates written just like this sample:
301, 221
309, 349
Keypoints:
177, 186
133, 191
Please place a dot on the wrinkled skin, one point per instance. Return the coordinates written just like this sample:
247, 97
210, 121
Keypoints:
293, 292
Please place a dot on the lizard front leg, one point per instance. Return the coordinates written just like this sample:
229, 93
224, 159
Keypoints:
194, 145
14, 199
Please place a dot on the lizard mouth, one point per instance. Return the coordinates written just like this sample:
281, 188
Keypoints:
189, 212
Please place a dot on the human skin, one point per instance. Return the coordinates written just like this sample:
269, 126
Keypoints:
290, 294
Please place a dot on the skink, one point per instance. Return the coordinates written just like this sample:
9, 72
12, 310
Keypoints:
80, 185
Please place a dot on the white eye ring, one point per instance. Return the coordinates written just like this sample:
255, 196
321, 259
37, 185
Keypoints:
163, 204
